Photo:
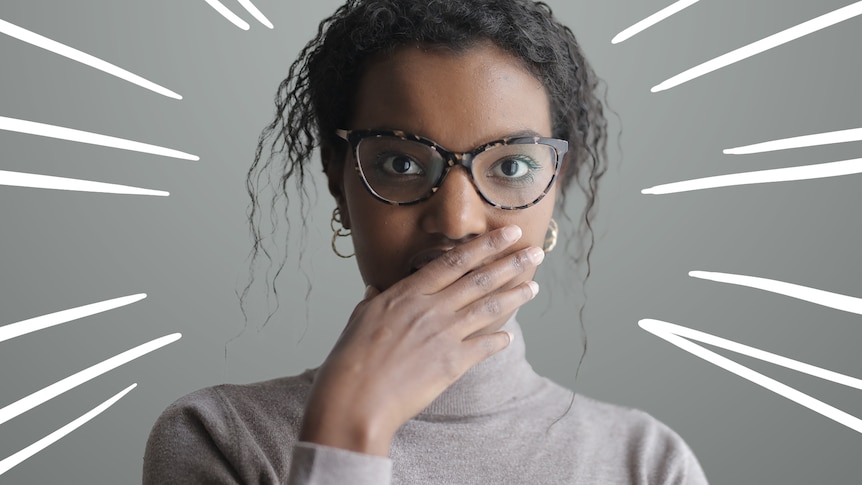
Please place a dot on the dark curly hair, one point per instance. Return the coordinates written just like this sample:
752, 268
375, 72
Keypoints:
318, 95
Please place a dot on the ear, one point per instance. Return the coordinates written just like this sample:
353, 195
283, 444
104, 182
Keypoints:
334, 170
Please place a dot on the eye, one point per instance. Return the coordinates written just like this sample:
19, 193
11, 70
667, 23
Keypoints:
398, 164
513, 167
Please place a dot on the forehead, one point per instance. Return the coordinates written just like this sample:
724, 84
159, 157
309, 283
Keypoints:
458, 99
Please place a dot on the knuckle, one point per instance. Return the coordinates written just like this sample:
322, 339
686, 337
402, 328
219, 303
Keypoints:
380, 335
454, 259
489, 346
482, 280
390, 303
520, 260
429, 320
494, 242
492, 306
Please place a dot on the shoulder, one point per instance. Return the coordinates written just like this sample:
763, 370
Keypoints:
212, 430
650, 450
217, 406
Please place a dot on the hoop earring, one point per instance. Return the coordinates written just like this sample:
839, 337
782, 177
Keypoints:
551, 236
338, 232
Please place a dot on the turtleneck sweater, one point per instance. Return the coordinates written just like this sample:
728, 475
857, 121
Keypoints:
499, 423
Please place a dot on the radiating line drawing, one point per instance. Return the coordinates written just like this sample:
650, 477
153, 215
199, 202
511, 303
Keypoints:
682, 337
35, 399
226, 13
34, 324
71, 134
256, 13
653, 19
803, 172
15, 459
37, 181
675, 334
762, 45
828, 138
37, 40
813, 295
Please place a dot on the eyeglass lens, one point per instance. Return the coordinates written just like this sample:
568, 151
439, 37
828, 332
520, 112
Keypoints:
404, 171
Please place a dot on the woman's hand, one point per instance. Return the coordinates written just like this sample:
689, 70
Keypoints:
402, 348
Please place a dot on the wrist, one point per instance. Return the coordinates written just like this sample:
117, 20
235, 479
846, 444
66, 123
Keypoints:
341, 430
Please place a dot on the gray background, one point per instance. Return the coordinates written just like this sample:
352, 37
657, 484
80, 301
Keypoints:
187, 252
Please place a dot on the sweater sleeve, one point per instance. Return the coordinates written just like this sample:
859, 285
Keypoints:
314, 464
684, 469
181, 450
665, 458
206, 437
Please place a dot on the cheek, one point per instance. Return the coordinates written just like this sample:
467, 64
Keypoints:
380, 233
535, 222
538, 230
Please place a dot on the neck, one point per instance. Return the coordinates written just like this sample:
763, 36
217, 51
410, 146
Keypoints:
497, 380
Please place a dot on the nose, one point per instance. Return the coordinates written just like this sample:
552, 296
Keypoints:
456, 211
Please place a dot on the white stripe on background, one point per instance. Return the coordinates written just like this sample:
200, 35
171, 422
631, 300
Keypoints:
226, 13
49, 320
257, 14
763, 45
820, 297
679, 336
652, 20
36, 181
830, 138
804, 172
27, 403
37, 40
11, 461
71, 134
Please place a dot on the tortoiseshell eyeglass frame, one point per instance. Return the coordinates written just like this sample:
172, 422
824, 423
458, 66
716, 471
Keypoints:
465, 159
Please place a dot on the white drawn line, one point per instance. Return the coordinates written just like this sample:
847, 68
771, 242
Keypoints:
27, 403
762, 45
226, 13
803, 172
257, 14
36, 181
70, 134
652, 20
820, 297
37, 40
49, 320
755, 353
671, 333
13, 460
818, 139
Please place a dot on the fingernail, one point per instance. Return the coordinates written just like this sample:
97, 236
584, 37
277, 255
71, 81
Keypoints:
536, 255
368, 290
511, 337
535, 287
511, 233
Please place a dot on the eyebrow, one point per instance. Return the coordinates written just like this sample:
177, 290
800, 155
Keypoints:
523, 134
526, 133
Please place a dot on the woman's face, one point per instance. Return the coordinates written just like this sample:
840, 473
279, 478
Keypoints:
461, 101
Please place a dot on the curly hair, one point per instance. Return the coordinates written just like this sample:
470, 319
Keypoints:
318, 95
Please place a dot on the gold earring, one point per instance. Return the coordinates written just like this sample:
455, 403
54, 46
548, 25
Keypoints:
551, 236
338, 232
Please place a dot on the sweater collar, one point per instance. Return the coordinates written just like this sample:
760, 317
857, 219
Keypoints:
504, 377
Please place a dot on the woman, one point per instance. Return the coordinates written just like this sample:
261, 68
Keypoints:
449, 131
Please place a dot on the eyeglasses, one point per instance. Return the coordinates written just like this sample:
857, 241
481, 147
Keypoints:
400, 168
